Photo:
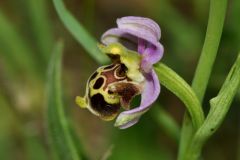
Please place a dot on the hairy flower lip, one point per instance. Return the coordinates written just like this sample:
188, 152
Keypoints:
144, 33
150, 93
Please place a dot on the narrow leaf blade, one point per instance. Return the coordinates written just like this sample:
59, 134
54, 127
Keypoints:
79, 32
60, 132
37, 11
15, 49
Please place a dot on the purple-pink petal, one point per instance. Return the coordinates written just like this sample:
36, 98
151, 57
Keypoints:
151, 55
115, 35
149, 95
140, 34
141, 45
129, 124
139, 23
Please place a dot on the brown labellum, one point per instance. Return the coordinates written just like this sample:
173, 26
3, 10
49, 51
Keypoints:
110, 89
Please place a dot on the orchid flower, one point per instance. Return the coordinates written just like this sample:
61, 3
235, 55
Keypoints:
133, 48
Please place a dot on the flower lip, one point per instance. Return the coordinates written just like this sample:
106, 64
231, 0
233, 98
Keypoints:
149, 95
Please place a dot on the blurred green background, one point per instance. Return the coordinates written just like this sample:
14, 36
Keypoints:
28, 32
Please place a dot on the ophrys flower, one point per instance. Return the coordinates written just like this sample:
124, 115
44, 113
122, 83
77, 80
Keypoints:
133, 48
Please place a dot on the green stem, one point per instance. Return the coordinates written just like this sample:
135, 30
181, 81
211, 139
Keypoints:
187, 133
183, 91
204, 67
210, 47
219, 108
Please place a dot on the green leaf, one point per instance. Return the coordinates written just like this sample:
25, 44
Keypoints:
219, 108
37, 11
79, 32
183, 91
60, 131
88, 7
15, 49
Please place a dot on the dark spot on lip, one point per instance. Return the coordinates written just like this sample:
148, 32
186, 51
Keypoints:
127, 91
110, 92
99, 82
94, 75
123, 67
121, 71
113, 57
109, 67
101, 106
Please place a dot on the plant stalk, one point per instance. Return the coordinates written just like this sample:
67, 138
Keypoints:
205, 64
